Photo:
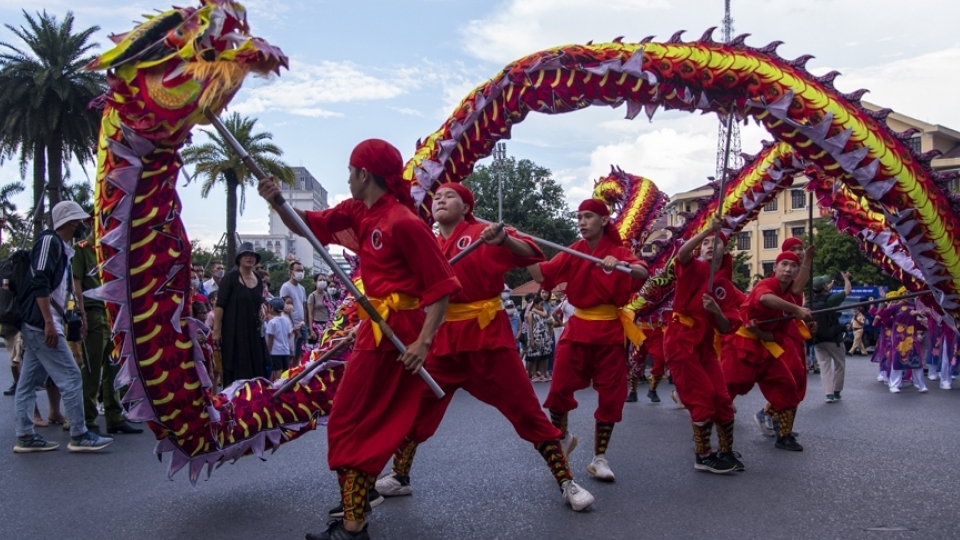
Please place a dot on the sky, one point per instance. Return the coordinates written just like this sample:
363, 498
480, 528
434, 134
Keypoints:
397, 69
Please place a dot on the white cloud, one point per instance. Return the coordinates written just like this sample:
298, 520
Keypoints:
407, 111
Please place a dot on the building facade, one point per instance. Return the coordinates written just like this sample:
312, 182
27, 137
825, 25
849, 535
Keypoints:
787, 216
306, 193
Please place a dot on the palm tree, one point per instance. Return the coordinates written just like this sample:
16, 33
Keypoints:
216, 161
10, 221
44, 100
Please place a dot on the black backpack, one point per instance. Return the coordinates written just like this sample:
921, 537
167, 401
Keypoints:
15, 270
828, 324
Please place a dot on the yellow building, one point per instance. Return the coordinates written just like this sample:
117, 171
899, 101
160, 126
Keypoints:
787, 216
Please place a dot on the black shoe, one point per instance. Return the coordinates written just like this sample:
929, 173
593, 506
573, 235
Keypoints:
335, 531
374, 499
123, 427
713, 463
632, 396
11, 391
652, 394
788, 443
732, 457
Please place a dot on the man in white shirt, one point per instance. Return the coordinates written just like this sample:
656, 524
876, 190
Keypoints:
213, 284
295, 290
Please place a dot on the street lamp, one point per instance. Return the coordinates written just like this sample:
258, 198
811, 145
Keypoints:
499, 157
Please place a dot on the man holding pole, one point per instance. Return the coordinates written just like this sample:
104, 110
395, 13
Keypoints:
592, 347
403, 272
474, 349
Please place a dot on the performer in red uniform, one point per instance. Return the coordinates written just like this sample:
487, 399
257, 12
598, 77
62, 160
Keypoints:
592, 346
654, 343
758, 355
797, 333
475, 349
689, 345
403, 272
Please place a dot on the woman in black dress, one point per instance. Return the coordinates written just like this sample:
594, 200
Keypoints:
237, 322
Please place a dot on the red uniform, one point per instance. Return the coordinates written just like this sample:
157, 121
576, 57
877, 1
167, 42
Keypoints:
750, 361
478, 353
654, 346
688, 342
591, 350
377, 400
797, 361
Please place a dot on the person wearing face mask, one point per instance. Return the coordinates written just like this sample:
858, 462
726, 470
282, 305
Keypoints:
211, 285
295, 290
318, 309
473, 349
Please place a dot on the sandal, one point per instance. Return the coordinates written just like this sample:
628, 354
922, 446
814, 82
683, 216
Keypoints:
57, 420
40, 422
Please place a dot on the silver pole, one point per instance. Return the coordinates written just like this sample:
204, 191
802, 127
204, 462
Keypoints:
499, 156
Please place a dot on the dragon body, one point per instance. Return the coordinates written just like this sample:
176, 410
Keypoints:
635, 203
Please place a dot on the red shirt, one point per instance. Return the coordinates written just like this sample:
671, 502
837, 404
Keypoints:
481, 274
689, 288
752, 309
398, 254
589, 286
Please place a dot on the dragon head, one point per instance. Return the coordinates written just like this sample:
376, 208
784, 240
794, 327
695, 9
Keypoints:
166, 73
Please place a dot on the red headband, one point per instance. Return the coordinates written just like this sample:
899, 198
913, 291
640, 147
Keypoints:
600, 208
465, 195
383, 159
787, 256
790, 243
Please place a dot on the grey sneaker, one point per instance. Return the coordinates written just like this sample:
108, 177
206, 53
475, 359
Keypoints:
35, 443
394, 485
577, 497
89, 442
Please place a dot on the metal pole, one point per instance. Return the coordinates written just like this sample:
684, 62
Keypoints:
499, 156
285, 209
723, 187
851, 306
810, 240
308, 370
476, 243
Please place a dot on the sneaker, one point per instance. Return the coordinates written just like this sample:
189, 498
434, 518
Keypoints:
394, 485
374, 499
894, 390
882, 379
732, 457
336, 531
836, 395
632, 396
713, 463
831, 398
764, 422
35, 443
788, 443
652, 394
600, 469
577, 497
945, 385
568, 444
11, 391
100, 408
89, 442
923, 390
676, 400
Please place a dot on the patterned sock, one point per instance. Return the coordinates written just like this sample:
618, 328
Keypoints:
559, 420
601, 437
785, 419
654, 381
725, 436
354, 486
556, 461
633, 383
768, 409
701, 437
403, 457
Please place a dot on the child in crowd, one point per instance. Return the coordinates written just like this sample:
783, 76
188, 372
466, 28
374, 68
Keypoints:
199, 312
279, 334
216, 374
288, 312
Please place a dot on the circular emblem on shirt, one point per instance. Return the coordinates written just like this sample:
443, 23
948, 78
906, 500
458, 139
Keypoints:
376, 239
720, 293
463, 242
605, 271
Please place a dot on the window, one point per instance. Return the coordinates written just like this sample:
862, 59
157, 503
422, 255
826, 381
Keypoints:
798, 199
743, 241
767, 268
797, 232
686, 207
770, 206
914, 143
770, 239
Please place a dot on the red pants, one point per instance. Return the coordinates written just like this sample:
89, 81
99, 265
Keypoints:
698, 376
495, 377
576, 365
747, 363
654, 345
373, 410
798, 366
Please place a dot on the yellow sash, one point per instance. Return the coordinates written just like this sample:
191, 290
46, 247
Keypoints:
383, 306
685, 320
775, 349
482, 310
804, 331
610, 312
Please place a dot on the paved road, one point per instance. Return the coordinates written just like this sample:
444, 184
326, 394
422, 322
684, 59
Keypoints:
874, 461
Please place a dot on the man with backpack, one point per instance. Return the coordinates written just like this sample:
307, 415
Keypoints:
43, 292
828, 338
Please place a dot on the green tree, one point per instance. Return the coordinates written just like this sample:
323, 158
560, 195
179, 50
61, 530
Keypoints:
836, 252
216, 162
10, 221
44, 101
741, 270
80, 192
533, 202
